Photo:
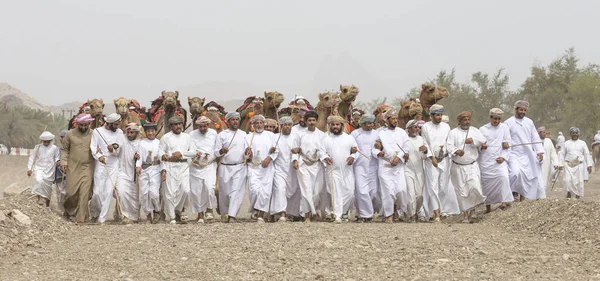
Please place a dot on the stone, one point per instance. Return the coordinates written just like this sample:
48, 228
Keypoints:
565, 257
20, 217
14, 189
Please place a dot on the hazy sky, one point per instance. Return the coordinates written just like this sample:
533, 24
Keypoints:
61, 51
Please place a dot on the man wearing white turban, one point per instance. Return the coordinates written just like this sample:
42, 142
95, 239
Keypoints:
286, 195
203, 177
415, 175
493, 161
43, 162
105, 147
576, 157
232, 171
128, 185
439, 197
551, 159
366, 194
526, 155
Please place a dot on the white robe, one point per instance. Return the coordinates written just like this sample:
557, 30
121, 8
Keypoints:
524, 168
286, 194
105, 176
466, 177
129, 190
177, 183
366, 174
310, 170
550, 160
495, 182
203, 174
438, 193
150, 177
43, 169
415, 174
232, 172
339, 177
392, 179
260, 180
577, 158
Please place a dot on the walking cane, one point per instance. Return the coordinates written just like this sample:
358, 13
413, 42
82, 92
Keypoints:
557, 174
250, 146
332, 190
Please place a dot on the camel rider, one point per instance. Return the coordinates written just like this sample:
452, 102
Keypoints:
596, 139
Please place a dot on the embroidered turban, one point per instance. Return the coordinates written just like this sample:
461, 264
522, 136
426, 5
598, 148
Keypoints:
496, 112
84, 118
436, 108
390, 113
412, 123
421, 122
522, 103
335, 119
232, 114
175, 120
573, 130
203, 120
367, 118
133, 127
286, 120
257, 118
463, 115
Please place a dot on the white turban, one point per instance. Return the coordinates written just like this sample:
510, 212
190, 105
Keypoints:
46, 136
560, 133
232, 114
522, 103
63, 133
203, 120
366, 118
257, 118
496, 112
286, 120
212, 108
436, 108
112, 118
573, 130
411, 123
541, 129
133, 127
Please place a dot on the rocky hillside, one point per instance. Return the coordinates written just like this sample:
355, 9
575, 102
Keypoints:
12, 96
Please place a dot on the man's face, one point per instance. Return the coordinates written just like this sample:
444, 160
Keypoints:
286, 129
542, 134
465, 123
177, 128
114, 126
436, 118
270, 127
418, 130
233, 123
203, 128
302, 122
413, 131
520, 112
132, 135
367, 126
335, 128
574, 135
356, 118
495, 121
83, 127
392, 122
46, 143
150, 133
311, 123
259, 126
62, 140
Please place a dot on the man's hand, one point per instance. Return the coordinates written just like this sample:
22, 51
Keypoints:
395, 161
163, 175
272, 150
560, 168
29, 173
138, 170
328, 161
499, 160
110, 148
102, 160
406, 155
223, 150
589, 169
248, 152
198, 155
469, 141
177, 155
350, 160
295, 164
540, 157
296, 150
165, 157
423, 149
64, 167
434, 161
505, 145
378, 145
353, 150
136, 156
380, 154
460, 152
484, 145
265, 163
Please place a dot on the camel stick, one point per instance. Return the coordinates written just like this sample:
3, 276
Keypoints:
401, 148
188, 166
527, 143
332, 190
553, 183
139, 199
251, 140
361, 153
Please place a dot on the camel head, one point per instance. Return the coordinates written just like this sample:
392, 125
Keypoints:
196, 105
348, 93
96, 106
170, 99
415, 109
329, 99
273, 99
380, 112
405, 106
122, 106
431, 94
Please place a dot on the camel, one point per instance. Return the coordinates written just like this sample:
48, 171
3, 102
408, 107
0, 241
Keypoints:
252, 106
96, 112
379, 112
196, 110
293, 109
165, 107
347, 97
328, 105
127, 115
409, 110
430, 95
271, 105
216, 113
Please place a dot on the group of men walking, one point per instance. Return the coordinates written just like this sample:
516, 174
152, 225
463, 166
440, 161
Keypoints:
424, 172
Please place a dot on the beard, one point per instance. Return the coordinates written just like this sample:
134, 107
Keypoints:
83, 130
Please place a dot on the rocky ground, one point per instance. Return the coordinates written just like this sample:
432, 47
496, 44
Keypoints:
553, 239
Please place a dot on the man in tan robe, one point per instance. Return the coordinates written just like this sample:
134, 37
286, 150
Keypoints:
77, 161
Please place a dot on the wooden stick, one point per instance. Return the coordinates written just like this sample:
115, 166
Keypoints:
552, 188
251, 140
362, 154
527, 143
332, 191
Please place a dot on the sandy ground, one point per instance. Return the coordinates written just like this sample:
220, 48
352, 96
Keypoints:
551, 239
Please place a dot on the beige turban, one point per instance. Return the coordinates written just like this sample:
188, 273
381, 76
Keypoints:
412, 123
436, 108
133, 127
286, 120
522, 103
496, 112
463, 115
390, 113
336, 119
203, 120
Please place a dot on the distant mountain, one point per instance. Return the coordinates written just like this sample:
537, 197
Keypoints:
14, 97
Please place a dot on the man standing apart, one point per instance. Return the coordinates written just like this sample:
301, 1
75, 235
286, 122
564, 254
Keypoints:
128, 184
493, 161
232, 172
437, 194
260, 171
551, 159
176, 148
463, 144
414, 172
286, 195
60, 177
525, 155
150, 176
575, 154
203, 171
367, 199
342, 149
77, 162
44, 160
105, 145
392, 157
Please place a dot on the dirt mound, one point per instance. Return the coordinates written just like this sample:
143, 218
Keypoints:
46, 226
565, 219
